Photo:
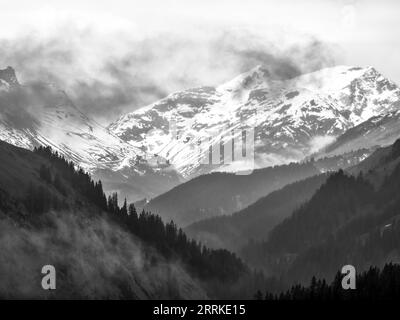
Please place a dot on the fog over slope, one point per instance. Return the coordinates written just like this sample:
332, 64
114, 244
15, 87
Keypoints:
94, 259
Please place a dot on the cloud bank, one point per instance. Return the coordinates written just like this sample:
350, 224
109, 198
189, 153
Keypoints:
107, 75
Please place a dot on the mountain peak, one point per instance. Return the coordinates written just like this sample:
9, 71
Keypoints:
259, 75
8, 75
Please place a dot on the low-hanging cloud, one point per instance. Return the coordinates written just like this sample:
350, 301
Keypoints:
319, 142
107, 76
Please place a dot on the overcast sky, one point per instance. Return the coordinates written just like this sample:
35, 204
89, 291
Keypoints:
113, 56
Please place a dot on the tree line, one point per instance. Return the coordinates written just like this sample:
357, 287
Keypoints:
170, 240
372, 284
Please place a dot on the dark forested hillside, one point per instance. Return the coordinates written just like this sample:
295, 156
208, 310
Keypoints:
372, 284
224, 193
255, 221
378, 165
347, 221
52, 212
335, 203
65, 208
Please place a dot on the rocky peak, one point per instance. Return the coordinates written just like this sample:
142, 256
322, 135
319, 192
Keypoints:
8, 75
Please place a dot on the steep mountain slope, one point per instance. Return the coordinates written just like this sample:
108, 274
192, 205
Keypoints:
292, 118
40, 114
379, 164
55, 121
220, 194
60, 216
115, 264
347, 221
340, 196
153, 149
255, 221
224, 193
380, 130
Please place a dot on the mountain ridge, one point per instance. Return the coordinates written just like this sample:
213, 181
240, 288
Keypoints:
293, 118
349, 220
36, 114
138, 156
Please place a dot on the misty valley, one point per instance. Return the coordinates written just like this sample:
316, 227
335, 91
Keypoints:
217, 235
213, 159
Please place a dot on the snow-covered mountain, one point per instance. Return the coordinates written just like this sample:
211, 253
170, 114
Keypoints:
42, 114
57, 122
151, 150
377, 131
292, 118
